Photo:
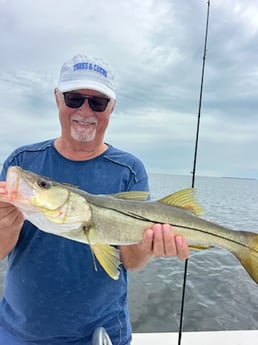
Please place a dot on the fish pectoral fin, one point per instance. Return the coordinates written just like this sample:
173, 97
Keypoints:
109, 258
199, 247
133, 195
184, 198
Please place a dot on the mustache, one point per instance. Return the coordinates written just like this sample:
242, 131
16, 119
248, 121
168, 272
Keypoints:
84, 119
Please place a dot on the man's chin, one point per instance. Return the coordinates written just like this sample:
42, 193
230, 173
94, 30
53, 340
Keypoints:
84, 137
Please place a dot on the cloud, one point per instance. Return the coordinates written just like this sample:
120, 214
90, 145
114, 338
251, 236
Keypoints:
156, 50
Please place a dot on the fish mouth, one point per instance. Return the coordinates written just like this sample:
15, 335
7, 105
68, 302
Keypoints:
16, 185
12, 183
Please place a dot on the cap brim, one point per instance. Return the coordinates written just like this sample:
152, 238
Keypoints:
90, 85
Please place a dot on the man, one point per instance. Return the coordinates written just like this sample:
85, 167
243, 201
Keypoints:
52, 294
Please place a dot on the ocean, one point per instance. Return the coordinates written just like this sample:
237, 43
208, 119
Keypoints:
220, 295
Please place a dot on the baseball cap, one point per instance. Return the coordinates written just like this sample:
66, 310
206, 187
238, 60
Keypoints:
87, 72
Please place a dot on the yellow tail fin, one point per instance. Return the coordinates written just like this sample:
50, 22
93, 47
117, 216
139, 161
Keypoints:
247, 254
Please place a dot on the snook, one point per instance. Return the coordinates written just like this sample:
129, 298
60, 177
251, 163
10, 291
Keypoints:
120, 219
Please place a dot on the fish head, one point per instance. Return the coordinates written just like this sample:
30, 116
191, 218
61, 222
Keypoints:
52, 206
19, 190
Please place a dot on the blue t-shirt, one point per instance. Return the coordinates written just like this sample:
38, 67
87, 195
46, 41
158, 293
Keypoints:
52, 293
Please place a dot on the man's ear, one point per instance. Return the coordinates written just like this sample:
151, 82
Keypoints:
113, 105
57, 95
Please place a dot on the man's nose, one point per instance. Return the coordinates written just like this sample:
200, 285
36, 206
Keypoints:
86, 106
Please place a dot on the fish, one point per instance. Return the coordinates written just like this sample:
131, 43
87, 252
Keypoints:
105, 222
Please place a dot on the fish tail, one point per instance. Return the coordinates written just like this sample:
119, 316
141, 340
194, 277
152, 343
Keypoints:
247, 253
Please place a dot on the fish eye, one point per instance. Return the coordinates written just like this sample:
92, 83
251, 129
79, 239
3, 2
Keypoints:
43, 183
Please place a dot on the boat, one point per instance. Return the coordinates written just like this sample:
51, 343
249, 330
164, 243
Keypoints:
242, 337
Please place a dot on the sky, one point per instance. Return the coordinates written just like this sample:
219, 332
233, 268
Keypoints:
156, 49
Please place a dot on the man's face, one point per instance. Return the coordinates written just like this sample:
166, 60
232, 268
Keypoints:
83, 124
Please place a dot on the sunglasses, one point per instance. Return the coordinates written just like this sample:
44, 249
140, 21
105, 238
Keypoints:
76, 100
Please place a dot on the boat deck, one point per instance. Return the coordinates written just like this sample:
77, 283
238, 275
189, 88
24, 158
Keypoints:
198, 338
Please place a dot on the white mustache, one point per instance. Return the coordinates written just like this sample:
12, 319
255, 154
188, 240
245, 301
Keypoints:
84, 120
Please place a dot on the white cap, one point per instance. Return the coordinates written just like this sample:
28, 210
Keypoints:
87, 72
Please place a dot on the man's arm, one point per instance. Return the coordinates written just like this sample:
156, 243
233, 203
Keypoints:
158, 241
11, 221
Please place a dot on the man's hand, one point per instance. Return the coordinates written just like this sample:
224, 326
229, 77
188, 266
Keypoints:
159, 241
11, 221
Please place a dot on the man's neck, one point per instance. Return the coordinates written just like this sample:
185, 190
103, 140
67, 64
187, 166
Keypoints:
79, 151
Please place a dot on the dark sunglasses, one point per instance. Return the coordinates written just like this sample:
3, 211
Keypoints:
76, 100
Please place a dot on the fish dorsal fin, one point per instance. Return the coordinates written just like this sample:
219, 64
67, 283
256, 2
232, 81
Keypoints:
133, 195
184, 198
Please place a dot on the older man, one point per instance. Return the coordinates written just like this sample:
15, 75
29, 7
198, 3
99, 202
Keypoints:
52, 293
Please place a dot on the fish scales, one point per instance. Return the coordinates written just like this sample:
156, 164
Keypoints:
104, 221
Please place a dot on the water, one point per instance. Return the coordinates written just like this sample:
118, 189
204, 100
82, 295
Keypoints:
220, 295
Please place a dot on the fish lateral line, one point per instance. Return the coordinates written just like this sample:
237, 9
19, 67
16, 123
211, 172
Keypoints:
136, 216
215, 235
139, 217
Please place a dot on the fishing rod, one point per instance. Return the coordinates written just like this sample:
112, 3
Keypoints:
194, 166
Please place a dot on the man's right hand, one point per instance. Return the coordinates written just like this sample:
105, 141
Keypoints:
11, 221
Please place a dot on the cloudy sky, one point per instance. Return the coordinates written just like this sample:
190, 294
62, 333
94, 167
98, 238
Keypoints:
156, 50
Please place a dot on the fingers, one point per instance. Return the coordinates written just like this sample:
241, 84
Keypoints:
164, 241
3, 190
147, 244
10, 216
11, 221
161, 241
182, 247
